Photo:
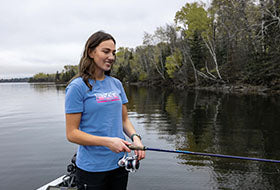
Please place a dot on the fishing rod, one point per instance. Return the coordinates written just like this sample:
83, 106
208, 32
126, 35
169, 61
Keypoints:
132, 147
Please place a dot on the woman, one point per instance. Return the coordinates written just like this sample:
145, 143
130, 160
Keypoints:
96, 117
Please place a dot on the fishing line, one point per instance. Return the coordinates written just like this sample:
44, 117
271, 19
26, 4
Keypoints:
132, 147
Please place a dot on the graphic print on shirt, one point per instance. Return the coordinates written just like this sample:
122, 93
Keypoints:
107, 97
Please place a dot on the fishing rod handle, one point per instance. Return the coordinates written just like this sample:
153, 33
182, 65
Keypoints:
133, 147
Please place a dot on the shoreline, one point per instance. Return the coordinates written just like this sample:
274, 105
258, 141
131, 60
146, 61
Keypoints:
242, 89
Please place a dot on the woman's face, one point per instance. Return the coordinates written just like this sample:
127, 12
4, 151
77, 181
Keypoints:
104, 55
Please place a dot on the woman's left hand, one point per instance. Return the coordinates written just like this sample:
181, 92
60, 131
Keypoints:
140, 153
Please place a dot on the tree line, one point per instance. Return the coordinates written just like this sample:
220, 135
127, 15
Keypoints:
230, 42
59, 77
26, 79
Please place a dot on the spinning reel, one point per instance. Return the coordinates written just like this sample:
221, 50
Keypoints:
130, 163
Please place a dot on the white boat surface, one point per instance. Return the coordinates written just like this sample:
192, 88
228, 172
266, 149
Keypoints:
55, 184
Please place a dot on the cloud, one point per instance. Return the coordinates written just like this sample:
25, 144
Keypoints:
43, 36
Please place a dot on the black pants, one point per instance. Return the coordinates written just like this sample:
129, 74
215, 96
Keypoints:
109, 180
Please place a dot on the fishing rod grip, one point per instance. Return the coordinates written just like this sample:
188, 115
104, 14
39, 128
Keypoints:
133, 147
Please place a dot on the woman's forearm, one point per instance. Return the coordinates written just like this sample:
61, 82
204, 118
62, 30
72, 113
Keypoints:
128, 128
113, 143
79, 137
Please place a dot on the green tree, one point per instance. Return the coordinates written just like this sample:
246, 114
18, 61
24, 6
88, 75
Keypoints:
123, 68
193, 18
68, 73
173, 63
197, 26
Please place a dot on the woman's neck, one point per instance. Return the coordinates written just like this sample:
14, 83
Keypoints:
99, 75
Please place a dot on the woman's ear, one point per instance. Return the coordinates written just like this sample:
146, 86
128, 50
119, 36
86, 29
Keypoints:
91, 53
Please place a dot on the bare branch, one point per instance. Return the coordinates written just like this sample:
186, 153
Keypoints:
208, 71
213, 54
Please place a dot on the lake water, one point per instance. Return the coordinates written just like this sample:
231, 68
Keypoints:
34, 149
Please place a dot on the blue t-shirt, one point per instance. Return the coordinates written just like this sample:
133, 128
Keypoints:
101, 110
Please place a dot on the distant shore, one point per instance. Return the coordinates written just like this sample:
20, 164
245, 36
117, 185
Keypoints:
241, 89
26, 79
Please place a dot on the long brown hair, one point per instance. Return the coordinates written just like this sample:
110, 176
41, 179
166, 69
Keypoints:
87, 64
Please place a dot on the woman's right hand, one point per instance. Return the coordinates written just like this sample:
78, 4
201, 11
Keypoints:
118, 145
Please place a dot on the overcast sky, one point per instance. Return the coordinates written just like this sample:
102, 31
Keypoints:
44, 35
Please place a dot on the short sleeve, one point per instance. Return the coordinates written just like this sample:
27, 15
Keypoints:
123, 95
74, 99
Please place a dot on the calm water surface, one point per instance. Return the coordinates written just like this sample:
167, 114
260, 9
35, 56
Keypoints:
34, 149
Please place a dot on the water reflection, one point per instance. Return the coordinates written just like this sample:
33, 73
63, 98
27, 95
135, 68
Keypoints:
45, 87
217, 123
